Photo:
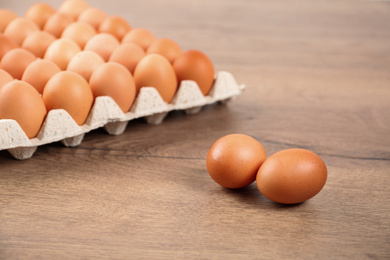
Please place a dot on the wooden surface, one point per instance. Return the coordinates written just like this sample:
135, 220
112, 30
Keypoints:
318, 77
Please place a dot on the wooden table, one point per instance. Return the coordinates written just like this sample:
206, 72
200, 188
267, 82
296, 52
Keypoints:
317, 76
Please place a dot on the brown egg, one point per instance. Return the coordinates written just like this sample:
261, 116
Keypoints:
6, 44
115, 25
69, 91
233, 160
21, 102
5, 77
166, 47
195, 65
292, 176
16, 61
79, 32
155, 71
61, 51
73, 7
93, 16
128, 54
114, 80
84, 63
140, 36
38, 73
6, 17
19, 28
103, 44
38, 42
57, 23
39, 13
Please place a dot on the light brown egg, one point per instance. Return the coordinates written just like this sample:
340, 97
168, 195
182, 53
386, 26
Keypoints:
73, 7
39, 13
292, 176
19, 28
128, 54
114, 80
22, 102
115, 25
140, 36
57, 23
156, 71
16, 61
69, 91
84, 63
6, 44
103, 44
166, 47
5, 77
233, 160
93, 16
61, 51
79, 32
38, 73
195, 65
6, 17
38, 42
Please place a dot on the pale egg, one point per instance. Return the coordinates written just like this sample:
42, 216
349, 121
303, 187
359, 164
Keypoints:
103, 44
85, 63
79, 32
61, 51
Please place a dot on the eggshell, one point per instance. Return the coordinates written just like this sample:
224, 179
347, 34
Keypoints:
38, 42
69, 91
292, 176
61, 51
139, 36
19, 28
5, 77
115, 25
93, 16
57, 23
114, 80
128, 54
103, 44
21, 102
16, 61
84, 63
6, 44
73, 7
6, 17
166, 47
38, 73
233, 160
156, 71
39, 13
79, 32
195, 65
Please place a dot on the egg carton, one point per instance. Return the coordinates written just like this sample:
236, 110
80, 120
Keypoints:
60, 126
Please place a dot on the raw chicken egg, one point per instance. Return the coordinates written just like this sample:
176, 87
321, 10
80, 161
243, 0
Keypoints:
166, 47
6, 44
79, 32
61, 51
85, 63
93, 16
103, 44
38, 73
69, 91
156, 71
6, 17
19, 28
114, 80
292, 176
5, 77
139, 36
16, 61
195, 65
39, 13
57, 23
38, 42
73, 7
233, 160
115, 25
21, 102
128, 54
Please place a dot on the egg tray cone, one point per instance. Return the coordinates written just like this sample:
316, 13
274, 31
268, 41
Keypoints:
60, 126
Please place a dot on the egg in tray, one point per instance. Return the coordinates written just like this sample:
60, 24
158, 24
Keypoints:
66, 72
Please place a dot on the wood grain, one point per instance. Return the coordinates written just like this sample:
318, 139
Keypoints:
318, 77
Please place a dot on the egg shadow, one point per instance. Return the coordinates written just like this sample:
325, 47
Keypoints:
249, 195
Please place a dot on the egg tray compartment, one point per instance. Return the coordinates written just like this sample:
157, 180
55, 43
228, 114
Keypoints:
60, 126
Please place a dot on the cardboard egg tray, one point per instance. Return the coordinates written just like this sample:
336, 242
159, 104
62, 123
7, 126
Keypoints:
60, 126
